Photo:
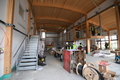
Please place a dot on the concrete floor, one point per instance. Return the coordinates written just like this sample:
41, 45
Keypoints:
54, 70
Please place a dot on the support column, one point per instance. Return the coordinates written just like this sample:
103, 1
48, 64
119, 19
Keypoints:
87, 35
109, 41
34, 31
74, 34
117, 11
8, 39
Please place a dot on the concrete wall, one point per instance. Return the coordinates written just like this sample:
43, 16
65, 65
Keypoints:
52, 39
32, 24
21, 24
3, 4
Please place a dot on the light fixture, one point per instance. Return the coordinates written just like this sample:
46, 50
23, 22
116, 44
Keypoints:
113, 7
41, 0
27, 10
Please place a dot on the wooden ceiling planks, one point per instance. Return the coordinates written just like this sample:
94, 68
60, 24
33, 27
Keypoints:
71, 3
108, 19
50, 27
98, 2
60, 12
51, 18
53, 25
57, 6
71, 16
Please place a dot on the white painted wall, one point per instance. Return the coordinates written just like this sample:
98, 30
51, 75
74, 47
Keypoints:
20, 24
49, 40
3, 7
113, 32
52, 35
55, 40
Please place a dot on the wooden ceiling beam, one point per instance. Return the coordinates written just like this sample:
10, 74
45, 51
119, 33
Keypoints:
58, 6
51, 18
49, 28
114, 28
51, 25
52, 31
90, 21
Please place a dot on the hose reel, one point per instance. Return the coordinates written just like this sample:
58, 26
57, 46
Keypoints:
89, 71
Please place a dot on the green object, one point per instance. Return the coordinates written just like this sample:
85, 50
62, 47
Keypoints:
81, 45
74, 46
13, 68
93, 28
88, 53
6, 76
98, 31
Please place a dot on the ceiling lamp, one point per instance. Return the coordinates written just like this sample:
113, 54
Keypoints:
41, 0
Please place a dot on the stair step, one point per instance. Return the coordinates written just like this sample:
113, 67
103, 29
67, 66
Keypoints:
32, 44
27, 64
27, 68
28, 60
33, 39
31, 47
33, 54
29, 57
31, 51
27, 49
34, 36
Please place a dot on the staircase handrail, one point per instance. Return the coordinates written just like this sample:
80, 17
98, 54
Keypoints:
21, 54
37, 52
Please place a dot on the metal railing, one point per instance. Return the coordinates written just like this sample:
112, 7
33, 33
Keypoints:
24, 44
37, 52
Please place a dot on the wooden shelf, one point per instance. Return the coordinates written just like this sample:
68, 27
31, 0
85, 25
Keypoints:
69, 40
82, 38
91, 37
94, 37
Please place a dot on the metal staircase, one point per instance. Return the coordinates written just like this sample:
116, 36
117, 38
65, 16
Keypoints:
29, 60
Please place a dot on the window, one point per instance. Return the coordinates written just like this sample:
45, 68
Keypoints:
114, 37
21, 11
113, 42
65, 31
43, 34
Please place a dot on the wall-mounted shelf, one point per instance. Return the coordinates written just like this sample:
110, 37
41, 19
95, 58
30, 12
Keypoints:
94, 37
91, 37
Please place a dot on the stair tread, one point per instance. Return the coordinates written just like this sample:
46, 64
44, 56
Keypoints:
28, 67
27, 64
32, 46
29, 53
28, 56
28, 60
